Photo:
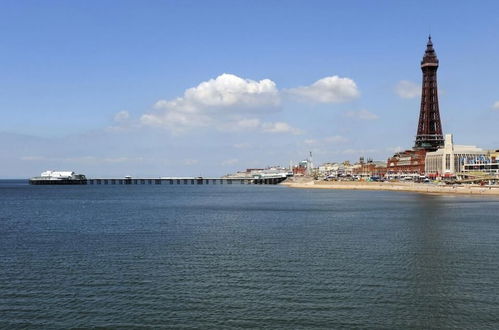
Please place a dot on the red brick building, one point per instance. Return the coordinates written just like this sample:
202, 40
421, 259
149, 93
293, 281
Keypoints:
370, 169
406, 163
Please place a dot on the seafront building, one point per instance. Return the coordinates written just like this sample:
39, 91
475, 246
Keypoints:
305, 167
336, 170
301, 169
271, 171
328, 169
369, 169
449, 160
487, 166
408, 163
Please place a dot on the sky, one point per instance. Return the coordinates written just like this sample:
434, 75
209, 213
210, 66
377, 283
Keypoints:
206, 88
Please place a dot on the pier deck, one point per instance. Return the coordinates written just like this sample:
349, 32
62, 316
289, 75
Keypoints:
184, 180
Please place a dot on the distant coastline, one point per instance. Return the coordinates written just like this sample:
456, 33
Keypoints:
395, 186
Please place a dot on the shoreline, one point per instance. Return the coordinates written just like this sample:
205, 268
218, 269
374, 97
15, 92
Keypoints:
424, 188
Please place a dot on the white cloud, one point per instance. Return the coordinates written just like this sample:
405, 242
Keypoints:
121, 116
247, 123
280, 127
122, 122
232, 103
176, 120
361, 115
335, 139
332, 89
407, 89
495, 106
255, 124
231, 90
218, 102
311, 142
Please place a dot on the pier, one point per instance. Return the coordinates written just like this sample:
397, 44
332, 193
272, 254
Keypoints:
184, 181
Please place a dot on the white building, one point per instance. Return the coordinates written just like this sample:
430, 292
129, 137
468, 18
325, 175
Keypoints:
328, 168
450, 160
487, 166
58, 174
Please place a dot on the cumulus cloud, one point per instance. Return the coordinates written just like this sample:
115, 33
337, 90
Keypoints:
122, 122
121, 116
280, 127
255, 124
217, 102
311, 142
407, 89
231, 90
495, 106
361, 115
246, 123
336, 139
175, 120
332, 89
232, 103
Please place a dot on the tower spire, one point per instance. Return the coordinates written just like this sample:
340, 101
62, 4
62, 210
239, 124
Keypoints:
429, 135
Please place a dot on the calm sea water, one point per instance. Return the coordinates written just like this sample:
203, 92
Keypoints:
245, 257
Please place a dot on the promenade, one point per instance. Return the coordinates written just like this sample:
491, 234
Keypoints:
428, 188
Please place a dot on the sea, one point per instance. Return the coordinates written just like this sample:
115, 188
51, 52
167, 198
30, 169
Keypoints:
245, 256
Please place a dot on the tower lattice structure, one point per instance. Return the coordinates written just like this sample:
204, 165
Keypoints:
429, 136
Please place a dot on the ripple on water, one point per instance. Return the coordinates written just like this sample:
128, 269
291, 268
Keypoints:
244, 256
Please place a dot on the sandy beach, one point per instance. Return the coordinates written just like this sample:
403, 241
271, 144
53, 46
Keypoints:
396, 186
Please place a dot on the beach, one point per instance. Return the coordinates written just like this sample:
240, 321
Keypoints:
427, 188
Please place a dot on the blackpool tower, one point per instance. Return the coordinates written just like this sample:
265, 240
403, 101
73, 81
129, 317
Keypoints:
429, 136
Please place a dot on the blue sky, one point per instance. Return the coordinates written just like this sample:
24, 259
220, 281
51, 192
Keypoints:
157, 88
